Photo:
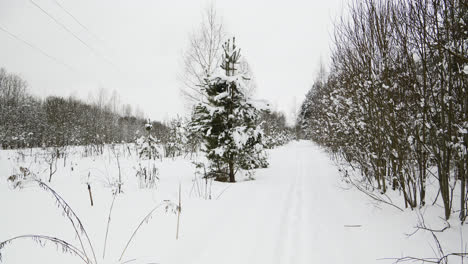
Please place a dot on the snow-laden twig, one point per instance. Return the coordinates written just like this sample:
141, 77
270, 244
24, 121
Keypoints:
422, 225
41, 240
372, 195
439, 252
221, 193
71, 215
368, 193
443, 259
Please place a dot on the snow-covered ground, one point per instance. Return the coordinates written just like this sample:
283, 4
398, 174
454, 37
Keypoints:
295, 211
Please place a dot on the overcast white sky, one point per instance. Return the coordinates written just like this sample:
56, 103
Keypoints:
138, 45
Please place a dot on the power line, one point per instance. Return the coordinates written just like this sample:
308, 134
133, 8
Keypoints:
77, 21
73, 34
37, 49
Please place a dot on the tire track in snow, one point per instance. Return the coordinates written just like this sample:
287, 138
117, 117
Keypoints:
294, 245
286, 221
288, 239
282, 237
299, 217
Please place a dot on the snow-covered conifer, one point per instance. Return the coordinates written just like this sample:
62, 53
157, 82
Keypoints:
148, 149
228, 121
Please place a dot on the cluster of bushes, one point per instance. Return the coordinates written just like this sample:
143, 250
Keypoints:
395, 104
275, 130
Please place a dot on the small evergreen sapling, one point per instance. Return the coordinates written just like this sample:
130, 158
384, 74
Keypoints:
147, 150
148, 145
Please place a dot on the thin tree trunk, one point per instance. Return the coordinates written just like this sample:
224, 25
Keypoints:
462, 176
231, 171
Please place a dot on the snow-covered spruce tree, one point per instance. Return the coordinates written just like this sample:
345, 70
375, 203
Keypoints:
228, 121
147, 150
148, 145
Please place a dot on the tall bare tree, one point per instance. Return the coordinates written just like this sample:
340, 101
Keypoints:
203, 58
203, 55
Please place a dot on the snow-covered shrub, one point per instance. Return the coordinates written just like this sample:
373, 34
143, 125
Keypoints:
176, 140
21, 179
276, 132
278, 138
194, 139
202, 181
147, 175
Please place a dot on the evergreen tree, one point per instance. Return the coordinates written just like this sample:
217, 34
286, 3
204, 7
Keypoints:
148, 150
228, 121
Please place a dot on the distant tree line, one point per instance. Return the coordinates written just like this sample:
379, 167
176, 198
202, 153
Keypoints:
276, 131
395, 102
27, 121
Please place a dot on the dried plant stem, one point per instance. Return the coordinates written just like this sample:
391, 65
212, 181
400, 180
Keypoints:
178, 212
66, 247
74, 219
145, 219
219, 195
108, 224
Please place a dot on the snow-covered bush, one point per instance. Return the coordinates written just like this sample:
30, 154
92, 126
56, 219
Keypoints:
176, 140
21, 179
194, 139
202, 181
147, 174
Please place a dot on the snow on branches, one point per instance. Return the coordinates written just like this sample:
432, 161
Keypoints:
228, 121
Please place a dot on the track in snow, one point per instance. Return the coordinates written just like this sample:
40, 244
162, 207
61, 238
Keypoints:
294, 212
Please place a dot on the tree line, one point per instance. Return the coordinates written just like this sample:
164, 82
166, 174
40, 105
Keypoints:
28, 121
394, 104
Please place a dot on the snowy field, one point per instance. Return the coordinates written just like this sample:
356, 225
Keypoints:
296, 211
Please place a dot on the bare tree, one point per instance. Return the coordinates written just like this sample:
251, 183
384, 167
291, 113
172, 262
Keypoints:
394, 103
203, 55
246, 71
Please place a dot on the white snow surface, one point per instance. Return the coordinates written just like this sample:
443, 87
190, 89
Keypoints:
295, 211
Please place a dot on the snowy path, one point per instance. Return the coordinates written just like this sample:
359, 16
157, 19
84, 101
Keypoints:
294, 212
